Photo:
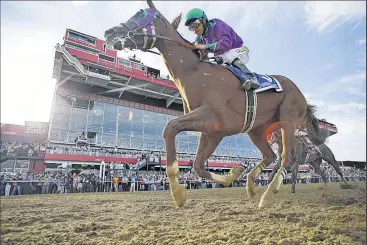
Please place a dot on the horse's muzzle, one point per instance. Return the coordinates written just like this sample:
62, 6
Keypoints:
114, 32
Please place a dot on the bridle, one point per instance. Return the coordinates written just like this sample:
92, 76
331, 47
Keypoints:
148, 32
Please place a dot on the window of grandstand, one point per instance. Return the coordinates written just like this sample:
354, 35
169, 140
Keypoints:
153, 72
104, 48
79, 103
98, 70
128, 128
124, 62
81, 38
107, 58
80, 48
139, 67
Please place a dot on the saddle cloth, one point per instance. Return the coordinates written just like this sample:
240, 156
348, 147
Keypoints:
267, 82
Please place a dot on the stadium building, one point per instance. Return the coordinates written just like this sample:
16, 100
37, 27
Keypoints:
120, 103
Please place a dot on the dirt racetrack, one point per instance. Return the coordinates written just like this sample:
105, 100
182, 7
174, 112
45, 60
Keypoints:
210, 216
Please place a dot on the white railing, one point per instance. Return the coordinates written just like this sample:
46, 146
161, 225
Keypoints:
72, 60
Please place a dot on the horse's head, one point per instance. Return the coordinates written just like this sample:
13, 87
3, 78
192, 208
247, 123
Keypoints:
134, 33
139, 32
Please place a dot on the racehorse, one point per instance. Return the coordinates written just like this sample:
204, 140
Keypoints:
214, 104
299, 157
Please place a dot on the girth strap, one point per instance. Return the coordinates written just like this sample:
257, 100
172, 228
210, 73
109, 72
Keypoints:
250, 111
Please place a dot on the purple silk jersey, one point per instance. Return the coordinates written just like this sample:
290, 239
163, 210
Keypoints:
219, 37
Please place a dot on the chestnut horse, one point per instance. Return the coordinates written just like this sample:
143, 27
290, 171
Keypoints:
215, 105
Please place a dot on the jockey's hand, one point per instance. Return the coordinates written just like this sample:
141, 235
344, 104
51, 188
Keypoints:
200, 46
203, 54
218, 60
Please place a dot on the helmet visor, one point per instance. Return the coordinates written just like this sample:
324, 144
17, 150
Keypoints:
194, 24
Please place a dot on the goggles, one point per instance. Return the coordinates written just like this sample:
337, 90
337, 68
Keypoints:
193, 25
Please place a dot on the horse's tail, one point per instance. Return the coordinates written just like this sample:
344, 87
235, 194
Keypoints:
315, 134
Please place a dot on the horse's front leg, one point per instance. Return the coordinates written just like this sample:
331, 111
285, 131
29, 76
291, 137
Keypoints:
258, 138
206, 147
198, 120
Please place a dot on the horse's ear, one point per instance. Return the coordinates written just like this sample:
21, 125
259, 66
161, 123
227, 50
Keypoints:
151, 5
176, 21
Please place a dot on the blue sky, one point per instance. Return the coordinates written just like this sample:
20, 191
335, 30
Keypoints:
321, 46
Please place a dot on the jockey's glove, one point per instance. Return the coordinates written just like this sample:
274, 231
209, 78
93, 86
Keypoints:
218, 59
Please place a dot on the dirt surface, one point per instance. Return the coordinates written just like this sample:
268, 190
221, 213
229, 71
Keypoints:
210, 216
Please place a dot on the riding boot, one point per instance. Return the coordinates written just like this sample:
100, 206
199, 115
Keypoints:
250, 83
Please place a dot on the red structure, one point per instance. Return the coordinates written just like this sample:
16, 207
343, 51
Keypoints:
92, 51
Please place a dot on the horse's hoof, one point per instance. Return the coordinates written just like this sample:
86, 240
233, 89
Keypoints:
236, 172
179, 194
275, 191
266, 200
225, 180
233, 175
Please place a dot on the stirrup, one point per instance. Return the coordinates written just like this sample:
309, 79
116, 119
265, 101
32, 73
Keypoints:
246, 85
250, 84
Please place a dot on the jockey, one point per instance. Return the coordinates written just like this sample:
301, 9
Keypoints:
219, 38
312, 150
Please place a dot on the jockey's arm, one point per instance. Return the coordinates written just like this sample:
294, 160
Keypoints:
224, 42
201, 49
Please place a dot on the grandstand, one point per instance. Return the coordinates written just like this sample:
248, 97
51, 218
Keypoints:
104, 101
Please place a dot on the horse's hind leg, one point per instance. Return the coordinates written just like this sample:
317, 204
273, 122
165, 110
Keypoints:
258, 138
288, 130
329, 157
294, 176
294, 166
274, 171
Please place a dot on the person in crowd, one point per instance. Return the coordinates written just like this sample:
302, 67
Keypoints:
115, 181
132, 182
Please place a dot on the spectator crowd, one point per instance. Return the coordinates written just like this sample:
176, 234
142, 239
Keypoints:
22, 149
124, 176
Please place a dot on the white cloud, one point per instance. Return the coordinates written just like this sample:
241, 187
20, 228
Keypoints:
346, 107
351, 84
352, 79
361, 55
350, 118
324, 15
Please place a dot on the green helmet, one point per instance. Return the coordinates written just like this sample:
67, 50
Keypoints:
195, 14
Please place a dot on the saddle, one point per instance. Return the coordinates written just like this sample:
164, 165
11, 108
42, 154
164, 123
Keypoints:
267, 82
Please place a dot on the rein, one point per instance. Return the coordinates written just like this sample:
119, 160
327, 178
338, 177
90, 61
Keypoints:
185, 44
148, 33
